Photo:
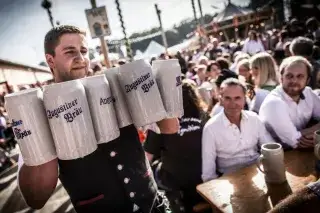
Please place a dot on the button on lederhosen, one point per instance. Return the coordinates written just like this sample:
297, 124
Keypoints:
125, 180
131, 166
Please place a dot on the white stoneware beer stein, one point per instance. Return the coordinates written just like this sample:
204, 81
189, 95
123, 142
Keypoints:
272, 159
101, 107
141, 92
168, 77
30, 126
120, 104
70, 120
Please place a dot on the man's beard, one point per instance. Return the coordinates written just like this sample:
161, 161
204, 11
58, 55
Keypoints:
69, 76
293, 93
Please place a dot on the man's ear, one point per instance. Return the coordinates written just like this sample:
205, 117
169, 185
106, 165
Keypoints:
220, 99
308, 80
50, 61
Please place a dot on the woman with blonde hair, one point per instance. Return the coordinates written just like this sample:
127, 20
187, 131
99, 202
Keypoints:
265, 76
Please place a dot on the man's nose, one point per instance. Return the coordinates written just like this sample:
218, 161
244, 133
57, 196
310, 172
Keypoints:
79, 57
294, 79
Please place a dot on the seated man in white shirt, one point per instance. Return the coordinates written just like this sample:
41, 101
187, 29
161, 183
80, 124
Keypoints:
288, 109
231, 139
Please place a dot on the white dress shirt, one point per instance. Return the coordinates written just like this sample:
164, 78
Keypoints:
226, 148
252, 46
284, 118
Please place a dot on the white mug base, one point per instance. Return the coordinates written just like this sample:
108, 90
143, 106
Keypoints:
38, 161
75, 154
108, 138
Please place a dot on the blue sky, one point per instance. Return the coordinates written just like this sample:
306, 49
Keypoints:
23, 23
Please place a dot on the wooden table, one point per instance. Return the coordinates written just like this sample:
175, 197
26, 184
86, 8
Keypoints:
245, 191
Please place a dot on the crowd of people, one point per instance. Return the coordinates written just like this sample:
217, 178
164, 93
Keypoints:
237, 98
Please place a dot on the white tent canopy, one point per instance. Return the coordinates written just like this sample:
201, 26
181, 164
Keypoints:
154, 49
182, 46
138, 55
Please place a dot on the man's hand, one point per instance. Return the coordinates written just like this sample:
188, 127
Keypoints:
310, 131
306, 141
169, 125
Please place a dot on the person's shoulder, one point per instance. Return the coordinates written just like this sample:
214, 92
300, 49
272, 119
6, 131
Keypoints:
273, 103
214, 121
308, 92
309, 95
272, 98
250, 114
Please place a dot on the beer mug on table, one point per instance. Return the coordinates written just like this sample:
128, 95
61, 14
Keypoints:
272, 159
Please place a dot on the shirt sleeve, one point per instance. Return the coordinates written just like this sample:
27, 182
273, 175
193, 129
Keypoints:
153, 143
245, 47
261, 47
316, 106
275, 116
208, 155
264, 135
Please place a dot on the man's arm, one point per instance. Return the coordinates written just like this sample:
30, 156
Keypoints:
275, 116
316, 106
264, 135
307, 139
168, 125
208, 155
37, 183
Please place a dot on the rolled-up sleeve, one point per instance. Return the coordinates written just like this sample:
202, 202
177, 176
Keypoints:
275, 116
208, 155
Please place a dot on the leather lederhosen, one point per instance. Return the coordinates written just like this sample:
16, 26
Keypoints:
114, 178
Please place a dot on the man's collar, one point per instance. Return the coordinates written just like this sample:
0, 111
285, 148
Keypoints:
287, 97
226, 121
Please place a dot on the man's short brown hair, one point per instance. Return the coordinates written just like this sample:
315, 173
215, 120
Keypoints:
233, 82
52, 37
292, 60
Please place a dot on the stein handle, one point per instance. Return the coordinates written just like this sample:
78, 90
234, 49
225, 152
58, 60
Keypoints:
317, 151
259, 162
